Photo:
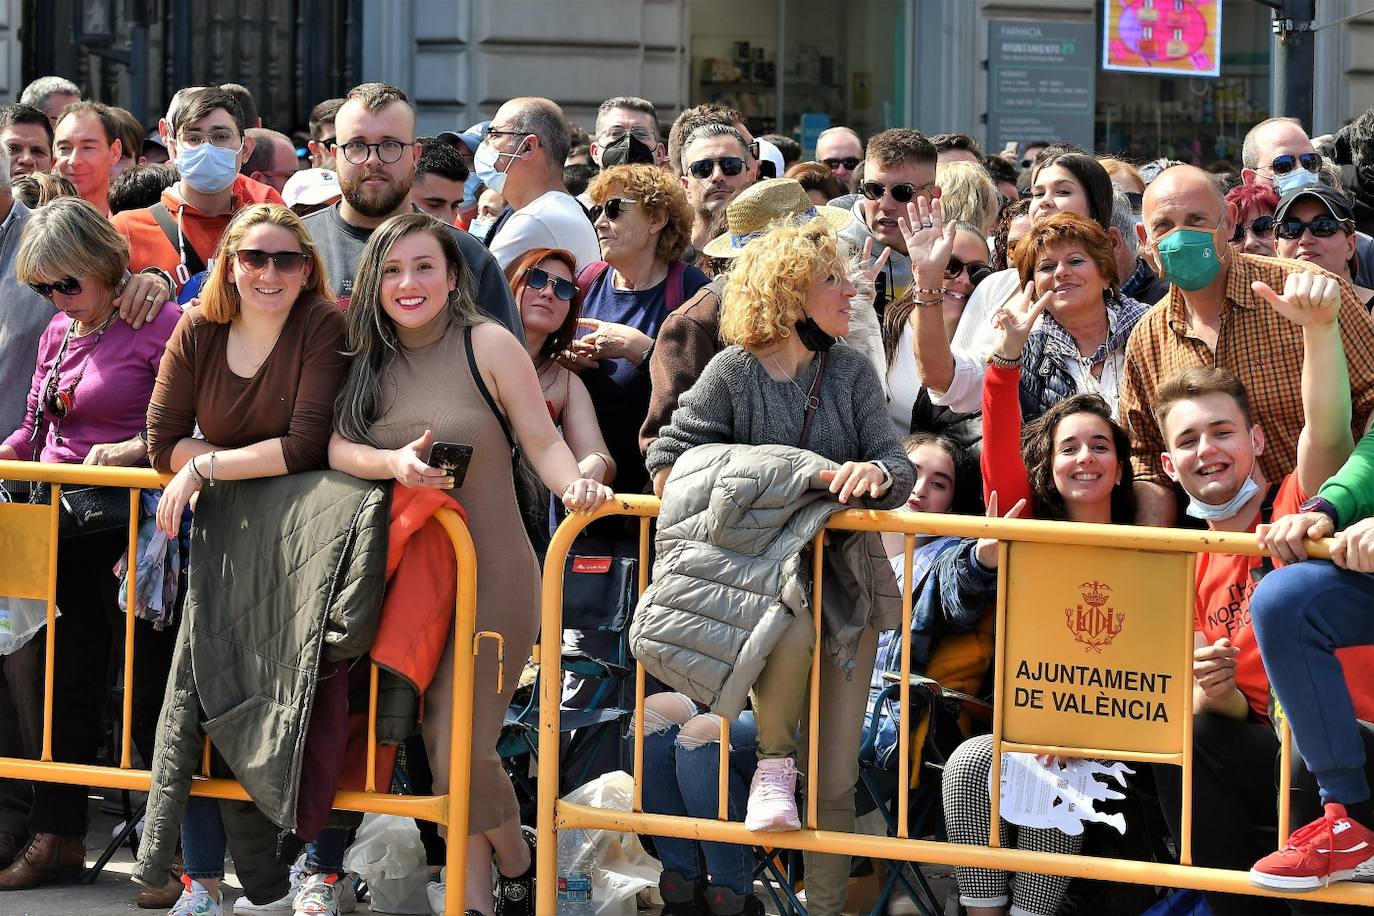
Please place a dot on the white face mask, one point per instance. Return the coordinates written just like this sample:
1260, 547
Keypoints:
481, 228
1210, 513
486, 160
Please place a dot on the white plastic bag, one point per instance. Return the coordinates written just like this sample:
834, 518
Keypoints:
20, 621
624, 871
390, 857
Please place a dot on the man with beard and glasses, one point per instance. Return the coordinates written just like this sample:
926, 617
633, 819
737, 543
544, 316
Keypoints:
716, 166
375, 154
521, 157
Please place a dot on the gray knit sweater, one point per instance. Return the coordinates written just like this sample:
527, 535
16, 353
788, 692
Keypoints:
736, 401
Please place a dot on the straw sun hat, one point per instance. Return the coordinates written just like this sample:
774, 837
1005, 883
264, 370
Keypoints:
759, 206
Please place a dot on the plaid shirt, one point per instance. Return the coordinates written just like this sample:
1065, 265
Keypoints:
1261, 347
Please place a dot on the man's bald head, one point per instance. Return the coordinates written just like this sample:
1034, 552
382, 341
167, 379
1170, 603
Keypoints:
1185, 197
1268, 140
543, 118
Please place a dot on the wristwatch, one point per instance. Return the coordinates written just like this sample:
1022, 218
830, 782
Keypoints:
1318, 504
163, 276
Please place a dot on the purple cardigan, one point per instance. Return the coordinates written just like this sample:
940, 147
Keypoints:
111, 402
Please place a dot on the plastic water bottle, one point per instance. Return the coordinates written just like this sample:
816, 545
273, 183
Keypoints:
576, 856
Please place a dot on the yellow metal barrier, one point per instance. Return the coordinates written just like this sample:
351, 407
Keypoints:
1032, 554
28, 569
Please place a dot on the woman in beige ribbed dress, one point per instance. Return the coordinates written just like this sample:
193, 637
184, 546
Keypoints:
422, 358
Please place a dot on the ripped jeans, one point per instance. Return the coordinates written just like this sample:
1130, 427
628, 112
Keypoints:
681, 769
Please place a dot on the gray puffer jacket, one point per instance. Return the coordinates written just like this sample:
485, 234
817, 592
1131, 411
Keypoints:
731, 568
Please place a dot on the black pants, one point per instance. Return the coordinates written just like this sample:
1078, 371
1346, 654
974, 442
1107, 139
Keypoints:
1235, 805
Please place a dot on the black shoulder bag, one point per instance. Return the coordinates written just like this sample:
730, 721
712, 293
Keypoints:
531, 495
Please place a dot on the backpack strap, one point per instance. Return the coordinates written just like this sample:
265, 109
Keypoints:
1266, 516
587, 278
190, 258
676, 293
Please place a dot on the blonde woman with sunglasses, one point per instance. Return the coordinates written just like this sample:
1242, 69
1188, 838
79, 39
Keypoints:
255, 366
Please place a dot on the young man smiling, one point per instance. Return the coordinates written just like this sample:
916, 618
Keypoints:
1212, 448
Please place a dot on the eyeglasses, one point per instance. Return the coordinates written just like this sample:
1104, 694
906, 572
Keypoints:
1284, 164
730, 166
538, 278
388, 151
902, 193
978, 271
286, 262
67, 286
612, 208
224, 139
1261, 227
1323, 227
849, 162
642, 134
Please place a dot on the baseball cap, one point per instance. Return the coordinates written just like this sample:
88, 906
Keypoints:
1336, 203
311, 187
471, 138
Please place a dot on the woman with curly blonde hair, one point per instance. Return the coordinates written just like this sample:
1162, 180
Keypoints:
787, 380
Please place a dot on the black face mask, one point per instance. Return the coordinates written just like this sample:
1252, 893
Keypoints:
628, 150
811, 335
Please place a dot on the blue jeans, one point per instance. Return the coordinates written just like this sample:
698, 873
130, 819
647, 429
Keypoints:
1302, 614
684, 781
203, 843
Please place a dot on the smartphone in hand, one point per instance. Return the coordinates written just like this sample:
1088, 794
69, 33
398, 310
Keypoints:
453, 457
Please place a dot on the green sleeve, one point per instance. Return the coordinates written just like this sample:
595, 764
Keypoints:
1351, 490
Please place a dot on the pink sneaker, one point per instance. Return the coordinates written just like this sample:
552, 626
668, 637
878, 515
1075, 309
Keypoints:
773, 797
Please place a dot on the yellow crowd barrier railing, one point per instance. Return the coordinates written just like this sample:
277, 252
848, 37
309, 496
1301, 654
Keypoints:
28, 569
1085, 596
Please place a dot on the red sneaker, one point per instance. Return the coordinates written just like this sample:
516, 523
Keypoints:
1328, 849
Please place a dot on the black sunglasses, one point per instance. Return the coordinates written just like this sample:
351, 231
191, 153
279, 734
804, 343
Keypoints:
1261, 226
703, 169
287, 262
538, 278
1322, 227
849, 162
902, 193
978, 271
1284, 164
612, 208
67, 286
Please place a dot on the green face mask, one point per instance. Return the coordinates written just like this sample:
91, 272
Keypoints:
1189, 258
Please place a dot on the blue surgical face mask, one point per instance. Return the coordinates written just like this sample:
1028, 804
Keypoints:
1188, 258
1210, 513
1299, 177
207, 168
486, 160
481, 228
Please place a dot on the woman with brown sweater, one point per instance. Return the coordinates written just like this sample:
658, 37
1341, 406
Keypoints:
256, 366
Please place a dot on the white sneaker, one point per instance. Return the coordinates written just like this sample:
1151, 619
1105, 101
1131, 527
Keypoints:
195, 900
435, 892
347, 895
773, 797
318, 896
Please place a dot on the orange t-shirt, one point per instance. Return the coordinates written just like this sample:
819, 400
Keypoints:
149, 245
1224, 587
